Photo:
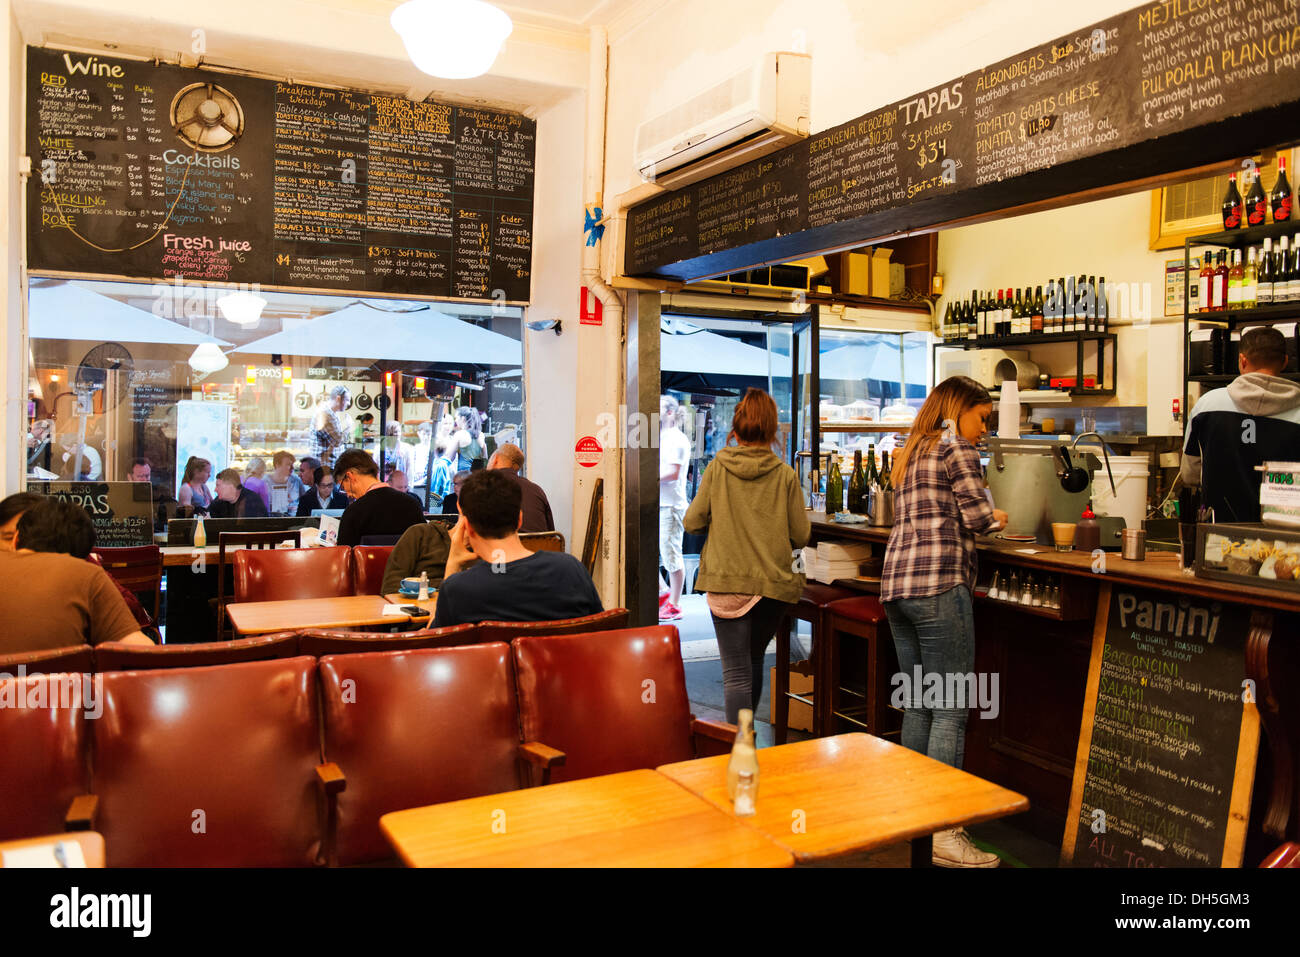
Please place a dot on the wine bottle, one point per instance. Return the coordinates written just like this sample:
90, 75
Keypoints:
1281, 196
1250, 281
1092, 303
1220, 291
1071, 298
857, 486
1008, 319
1103, 307
1036, 316
1204, 287
972, 327
1051, 308
1256, 203
1017, 314
1063, 293
834, 487
1264, 295
886, 481
744, 759
1281, 275
1293, 278
1081, 304
1232, 205
996, 307
1026, 311
946, 329
1236, 275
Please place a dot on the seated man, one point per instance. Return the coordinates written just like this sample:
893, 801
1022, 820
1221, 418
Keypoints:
322, 493
510, 583
64, 600
235, 501
397, 480
509, 459
376, 509
422, 548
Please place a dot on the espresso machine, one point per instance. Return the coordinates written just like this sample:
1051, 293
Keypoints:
1038, 482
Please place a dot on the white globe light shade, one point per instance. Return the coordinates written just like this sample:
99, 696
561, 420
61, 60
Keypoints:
452, 39
242, 308
208, 358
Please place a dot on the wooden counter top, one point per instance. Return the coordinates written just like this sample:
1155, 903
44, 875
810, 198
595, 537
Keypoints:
1159, 570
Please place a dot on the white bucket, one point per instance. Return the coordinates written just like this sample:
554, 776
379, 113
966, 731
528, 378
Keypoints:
1130, 498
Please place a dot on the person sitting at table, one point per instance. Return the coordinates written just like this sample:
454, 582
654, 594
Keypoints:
509, 459
376, 508
307, 467
285, 486
256, 483
397, 480
235, 501
422, 548
194, 486
163, 504
11, 510
141, 471
64, 599
324, 493
511, 583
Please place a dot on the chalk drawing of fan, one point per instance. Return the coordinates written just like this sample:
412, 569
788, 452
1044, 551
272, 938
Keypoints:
207, 117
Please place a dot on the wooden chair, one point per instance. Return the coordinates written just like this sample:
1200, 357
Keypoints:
138, 569
542, 541
416, 728
285, 574
116, 656
595, 524
43, 759
320, 642
510, 630
612, 701
368, 564
234, 748
247, 540
812, 608
80, 658
862, 617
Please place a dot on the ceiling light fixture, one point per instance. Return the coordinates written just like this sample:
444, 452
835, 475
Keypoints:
208, 358
452, 39
242, 308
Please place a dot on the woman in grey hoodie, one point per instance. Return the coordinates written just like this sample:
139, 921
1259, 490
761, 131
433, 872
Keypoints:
751, 504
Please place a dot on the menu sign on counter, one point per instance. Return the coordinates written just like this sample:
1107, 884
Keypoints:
1027, 128
1170, 729
122, 512
159, 172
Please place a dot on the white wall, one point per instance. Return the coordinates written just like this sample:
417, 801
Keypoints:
12, 360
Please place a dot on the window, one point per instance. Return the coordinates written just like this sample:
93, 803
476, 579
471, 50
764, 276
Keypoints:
1193, 208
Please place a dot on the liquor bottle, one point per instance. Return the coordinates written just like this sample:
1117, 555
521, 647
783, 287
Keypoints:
1232, 205
1205, 286
1103, 307
1264, 295
857, 486
1250, 282
1293, 277
744, 759
1281, 196
1256, 203
834, 487
1036, 316
1236, 275
1092, 304
1219, 291
1050, 306
981, 315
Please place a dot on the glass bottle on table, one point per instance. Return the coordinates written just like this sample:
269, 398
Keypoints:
744, 759
200, 534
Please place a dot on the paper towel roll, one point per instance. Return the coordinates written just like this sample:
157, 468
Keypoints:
1009, 411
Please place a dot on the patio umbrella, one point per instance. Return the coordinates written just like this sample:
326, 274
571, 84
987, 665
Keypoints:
711, 354
66, 311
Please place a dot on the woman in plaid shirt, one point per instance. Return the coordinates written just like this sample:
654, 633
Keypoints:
929, 575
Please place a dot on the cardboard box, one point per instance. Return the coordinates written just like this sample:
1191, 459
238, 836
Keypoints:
856, 279
897, 280
880, 272
801, 682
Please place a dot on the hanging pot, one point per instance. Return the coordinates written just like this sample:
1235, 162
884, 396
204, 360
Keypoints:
303, 399
363, 401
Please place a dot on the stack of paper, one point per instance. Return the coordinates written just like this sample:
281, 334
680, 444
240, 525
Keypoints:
831, 561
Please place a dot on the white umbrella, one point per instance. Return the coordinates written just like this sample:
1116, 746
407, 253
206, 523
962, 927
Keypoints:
711, 354
361, 332
66, 311
871, 361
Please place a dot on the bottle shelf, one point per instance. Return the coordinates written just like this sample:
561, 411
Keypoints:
868, 427
1251, 236
1033, 338
1290, 310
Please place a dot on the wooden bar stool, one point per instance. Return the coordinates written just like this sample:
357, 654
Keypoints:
862, 617
812, 608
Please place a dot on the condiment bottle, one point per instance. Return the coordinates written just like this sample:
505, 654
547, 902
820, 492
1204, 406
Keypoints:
1087, 533
424, 587
200, 535
744, 759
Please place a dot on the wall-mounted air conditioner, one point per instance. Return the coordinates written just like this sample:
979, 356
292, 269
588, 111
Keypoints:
748, 115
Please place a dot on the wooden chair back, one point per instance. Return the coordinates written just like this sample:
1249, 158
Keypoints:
542, 541
138, 569
595, 525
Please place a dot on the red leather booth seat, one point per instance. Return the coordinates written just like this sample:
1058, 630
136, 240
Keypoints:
368, 564
320, 642
279, 574
42, 753
116, 656
79, 657
510, 630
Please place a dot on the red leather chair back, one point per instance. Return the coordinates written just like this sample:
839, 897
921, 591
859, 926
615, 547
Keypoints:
587, 695
510, 630
368, 564
277, 574
69, 658
116, 656
42, 752
416, 728
1286, 855
318, 642
238, 743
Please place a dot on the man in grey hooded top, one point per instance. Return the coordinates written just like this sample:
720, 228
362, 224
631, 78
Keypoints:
1256, 419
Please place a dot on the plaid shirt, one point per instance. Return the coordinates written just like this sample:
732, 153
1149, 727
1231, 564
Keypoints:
938, 508
326, 437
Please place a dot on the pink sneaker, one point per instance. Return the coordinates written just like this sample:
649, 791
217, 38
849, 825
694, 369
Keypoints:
669, 612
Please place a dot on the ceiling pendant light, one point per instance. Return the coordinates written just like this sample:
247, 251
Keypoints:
208, 358
242, 308
452, 39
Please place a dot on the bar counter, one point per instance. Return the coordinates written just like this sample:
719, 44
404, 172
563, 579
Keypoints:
1042, 657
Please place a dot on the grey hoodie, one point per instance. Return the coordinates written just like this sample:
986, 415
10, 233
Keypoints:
751, 504
1256, 419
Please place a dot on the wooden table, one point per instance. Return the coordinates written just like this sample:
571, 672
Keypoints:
92, 845
852, 792
177, 555
352, 611
633, 819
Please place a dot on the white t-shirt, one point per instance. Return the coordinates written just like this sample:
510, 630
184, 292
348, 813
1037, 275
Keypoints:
674, 448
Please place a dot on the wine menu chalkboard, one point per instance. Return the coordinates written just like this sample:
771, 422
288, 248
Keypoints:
156, 172
1170, 730
995, 138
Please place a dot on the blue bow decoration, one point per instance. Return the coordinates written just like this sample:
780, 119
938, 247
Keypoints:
592, 225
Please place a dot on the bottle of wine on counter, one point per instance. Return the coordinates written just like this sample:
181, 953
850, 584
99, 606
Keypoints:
1264, 295
1219, 294
1250, 282
1036, 316
834, 487
1293, 274
1008, 314
945, 330
1256, 203
1236, 275
1232, 205
1281, 196
857, 486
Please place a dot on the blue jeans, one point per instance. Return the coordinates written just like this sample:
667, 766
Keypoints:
938, 633
741, 644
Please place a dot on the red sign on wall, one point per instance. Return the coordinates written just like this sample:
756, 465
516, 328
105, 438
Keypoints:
593, 316
587, 451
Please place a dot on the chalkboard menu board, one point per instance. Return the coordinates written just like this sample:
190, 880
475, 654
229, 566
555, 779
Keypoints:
157, 171
122, 512
1170, 731
993, 139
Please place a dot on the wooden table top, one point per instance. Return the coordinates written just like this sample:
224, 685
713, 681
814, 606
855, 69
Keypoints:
174, 555
852, 792
92, 845
633, 819
430, 604
351, 611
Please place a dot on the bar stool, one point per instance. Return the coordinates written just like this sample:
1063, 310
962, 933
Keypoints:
862, 617
812, 608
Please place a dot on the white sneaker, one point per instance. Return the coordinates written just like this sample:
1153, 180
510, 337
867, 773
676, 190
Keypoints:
953, 848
